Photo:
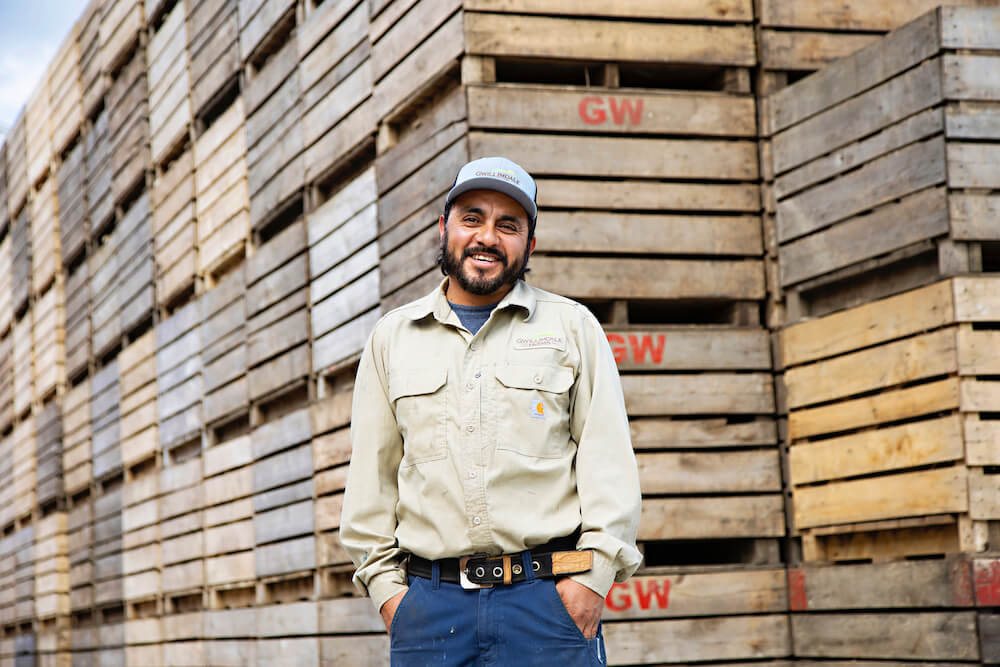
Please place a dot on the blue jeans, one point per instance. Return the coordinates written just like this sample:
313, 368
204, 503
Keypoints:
518, 625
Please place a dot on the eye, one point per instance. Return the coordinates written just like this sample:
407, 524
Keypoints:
508, 227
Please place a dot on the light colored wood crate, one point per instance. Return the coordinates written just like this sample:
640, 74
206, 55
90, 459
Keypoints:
45, 252
181, 527
6, 475
336, 79
916, 152
128, 122
17, 166
6, 380
78, 329
6, 286
213, 49
888, 398
169, 85
141, 539
76, 463
135, 283
108, 578
179, 376
121, 23
80, 540
228, 520
104, 415
48, 455
344, 276
24, 579
73, 225
99, 202
23, 374
275, 169
137, 365
52, 566
105, 302
929, 604
38, 131
20, 232
223, 201
49, 365
65, 92
224, 349
142, 641
175, 228
259, 20
92, 80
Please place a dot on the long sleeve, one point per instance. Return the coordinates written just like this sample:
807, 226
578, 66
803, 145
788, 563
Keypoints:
368, 521
607, 477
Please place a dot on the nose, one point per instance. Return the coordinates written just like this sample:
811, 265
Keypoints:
486, 234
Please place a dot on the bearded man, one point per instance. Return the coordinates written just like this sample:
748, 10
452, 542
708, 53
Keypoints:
493, 497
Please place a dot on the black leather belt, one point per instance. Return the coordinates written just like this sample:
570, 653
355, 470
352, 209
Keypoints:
556, 558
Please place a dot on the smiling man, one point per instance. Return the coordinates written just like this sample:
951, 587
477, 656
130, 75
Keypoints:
493, 496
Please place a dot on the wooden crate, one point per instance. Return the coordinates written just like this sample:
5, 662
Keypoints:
224, 630
71, 177
99, 202
6, 284
76, 463
141, 542
7, 570
228, 522
181, 634
331, 447
23, 374
277, 277
223, 201
45, 253
78, 329
121, 23
24, 463
24, 573
136, 268
352, 633
179, 377
224, 349
49, 455
844, 611
80, 541
66, 93
105, 413
6, 475
137, 366
181, 530
275, 170
17, 167
283, 520
92, 77
105, 301
892, 439
20, 235
169, 85
900, 145
259, 20
343, 270
6, 380
108, 577
38, 132
338, 114
52, 566
49, 334
175, 229
213, 49
128, 122
299, 622
4, 210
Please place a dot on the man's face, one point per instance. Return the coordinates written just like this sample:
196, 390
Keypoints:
485, 246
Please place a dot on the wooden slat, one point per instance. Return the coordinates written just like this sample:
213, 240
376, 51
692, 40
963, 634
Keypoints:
690, 348
973, 165
969, 76
714, 10
720, 517
946, 635
709, 472
589, 39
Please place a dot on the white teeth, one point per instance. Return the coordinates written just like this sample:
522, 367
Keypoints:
484, 258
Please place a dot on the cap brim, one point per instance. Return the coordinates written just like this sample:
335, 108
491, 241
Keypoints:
495, 184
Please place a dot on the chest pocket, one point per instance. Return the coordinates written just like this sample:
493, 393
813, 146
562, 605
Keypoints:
533, 410
418, 397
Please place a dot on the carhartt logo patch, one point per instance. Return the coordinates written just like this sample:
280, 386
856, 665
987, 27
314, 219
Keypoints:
540, 340
537, 409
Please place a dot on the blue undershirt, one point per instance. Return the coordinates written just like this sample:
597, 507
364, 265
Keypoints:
473, 317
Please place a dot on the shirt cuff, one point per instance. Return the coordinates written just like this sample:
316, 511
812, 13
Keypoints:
600, 577
384, 585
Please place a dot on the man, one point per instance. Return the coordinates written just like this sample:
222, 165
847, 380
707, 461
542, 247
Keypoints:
493, 496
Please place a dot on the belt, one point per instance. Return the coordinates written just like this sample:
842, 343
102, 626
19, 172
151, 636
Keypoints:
553, 559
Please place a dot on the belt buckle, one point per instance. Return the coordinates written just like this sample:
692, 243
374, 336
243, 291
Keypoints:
463, 575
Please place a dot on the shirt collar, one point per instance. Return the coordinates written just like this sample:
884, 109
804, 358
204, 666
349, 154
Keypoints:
436, 303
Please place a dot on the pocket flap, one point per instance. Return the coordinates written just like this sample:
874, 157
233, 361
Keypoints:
416, 382
555, 379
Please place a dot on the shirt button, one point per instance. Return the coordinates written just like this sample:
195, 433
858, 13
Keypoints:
470, 386
538, 379
476, 520
470, 428
474, 346
472, 474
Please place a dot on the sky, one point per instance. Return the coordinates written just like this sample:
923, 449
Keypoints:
31, 32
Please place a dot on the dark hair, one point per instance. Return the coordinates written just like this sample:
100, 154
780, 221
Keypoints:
441, 250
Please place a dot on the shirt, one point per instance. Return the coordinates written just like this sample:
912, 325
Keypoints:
489, 443
473, 317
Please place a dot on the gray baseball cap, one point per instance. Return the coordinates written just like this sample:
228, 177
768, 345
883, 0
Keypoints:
501, 175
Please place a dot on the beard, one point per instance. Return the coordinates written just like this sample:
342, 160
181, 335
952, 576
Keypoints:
472, 280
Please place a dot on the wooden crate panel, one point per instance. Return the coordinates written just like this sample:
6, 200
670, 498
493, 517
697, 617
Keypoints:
66, 93
121, 23
20, 232
99, 203
348, 91
91, 56
23, 375
38, 131
73, 227
258, 18
719, 10
170, 88
798, 50
6, 286
214, 50
17, 166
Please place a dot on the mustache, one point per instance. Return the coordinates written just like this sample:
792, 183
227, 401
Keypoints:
469, 252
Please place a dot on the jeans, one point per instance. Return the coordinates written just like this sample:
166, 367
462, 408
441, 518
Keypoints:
516, 625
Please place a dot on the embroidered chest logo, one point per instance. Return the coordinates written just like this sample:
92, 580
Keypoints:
537, 409
534, 341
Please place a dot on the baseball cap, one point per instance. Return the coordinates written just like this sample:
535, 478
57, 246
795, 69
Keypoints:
501, 175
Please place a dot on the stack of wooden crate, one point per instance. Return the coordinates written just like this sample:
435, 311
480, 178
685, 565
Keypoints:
179, 378
100, 206
49, 343
66, 94
136, 268
128, 122
17, 169
272, 96
175, 230
214, 51
6, 307
38, 133
224, 352
105, 413
52, 588
108, 578
93, 79
49, 456
885, 176
72, 191
20, 241
169, 85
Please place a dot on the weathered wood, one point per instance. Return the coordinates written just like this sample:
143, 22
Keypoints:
689, 348
344, 342
707, 472
649, 278
257, 20
716, 10
928, 635
723, 517
799, 50
692, 640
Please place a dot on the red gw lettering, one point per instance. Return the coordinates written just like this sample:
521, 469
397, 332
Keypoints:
645, 593
645, 348
594, 110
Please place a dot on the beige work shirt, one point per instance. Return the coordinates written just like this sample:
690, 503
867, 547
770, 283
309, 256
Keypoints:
488, 443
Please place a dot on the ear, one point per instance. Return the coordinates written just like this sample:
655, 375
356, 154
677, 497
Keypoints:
531, 246
441, 227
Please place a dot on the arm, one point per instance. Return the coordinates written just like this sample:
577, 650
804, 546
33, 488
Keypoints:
368, 520
607, 477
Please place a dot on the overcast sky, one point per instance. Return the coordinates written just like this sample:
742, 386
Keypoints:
31, 31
